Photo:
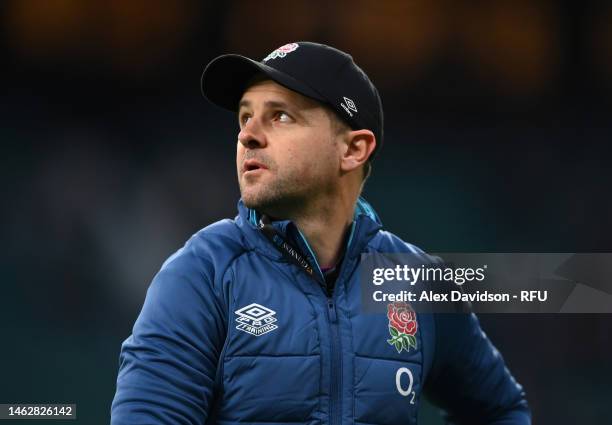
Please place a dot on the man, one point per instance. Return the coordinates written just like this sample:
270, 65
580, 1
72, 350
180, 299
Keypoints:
258, 319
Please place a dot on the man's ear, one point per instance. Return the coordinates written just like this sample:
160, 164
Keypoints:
359, 146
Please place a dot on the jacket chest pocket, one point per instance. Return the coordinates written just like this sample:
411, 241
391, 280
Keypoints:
386, 391
387, 371
271, 365
269, 315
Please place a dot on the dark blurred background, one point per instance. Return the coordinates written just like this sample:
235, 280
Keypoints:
498, 131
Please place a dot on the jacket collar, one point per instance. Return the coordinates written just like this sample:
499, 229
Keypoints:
366, 224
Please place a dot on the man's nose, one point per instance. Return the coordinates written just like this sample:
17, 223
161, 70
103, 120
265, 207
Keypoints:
251, 135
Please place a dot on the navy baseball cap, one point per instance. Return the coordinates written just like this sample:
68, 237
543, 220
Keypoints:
314, 70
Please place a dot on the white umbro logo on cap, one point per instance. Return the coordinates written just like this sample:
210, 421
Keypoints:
282, 51
349, 106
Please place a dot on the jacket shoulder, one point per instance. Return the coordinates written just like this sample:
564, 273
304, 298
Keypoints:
213, 248
388, 242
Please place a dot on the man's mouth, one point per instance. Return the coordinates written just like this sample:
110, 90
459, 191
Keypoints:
251, 165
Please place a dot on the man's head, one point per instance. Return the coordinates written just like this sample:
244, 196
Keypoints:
292, 149
310, 120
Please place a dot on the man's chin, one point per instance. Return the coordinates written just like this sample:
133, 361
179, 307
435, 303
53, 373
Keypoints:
270, 204
254, 199
249, 203
272, 200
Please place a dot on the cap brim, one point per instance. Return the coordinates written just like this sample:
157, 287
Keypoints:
226, 77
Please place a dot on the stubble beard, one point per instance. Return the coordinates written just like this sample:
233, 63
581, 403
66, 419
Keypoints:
275, 198
288, 192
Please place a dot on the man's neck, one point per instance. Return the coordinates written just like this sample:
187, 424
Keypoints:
325, 227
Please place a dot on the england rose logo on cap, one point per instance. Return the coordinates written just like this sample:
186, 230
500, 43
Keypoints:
402, 326
282, 51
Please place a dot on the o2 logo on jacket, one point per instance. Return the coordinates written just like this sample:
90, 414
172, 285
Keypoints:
256, 319
402, 326
404, 390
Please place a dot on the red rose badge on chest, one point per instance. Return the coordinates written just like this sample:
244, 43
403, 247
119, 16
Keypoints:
402, 326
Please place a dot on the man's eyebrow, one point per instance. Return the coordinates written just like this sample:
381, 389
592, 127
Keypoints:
268, 104
275, 104
243, 103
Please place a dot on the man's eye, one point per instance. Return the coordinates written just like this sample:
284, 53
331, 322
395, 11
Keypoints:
244, 119
283, 117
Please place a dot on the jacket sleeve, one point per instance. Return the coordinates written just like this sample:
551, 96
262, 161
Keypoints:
469, 379
168, 365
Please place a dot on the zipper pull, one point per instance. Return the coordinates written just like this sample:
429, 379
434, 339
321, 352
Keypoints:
331, 309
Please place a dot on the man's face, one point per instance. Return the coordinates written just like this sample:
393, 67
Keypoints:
287, 149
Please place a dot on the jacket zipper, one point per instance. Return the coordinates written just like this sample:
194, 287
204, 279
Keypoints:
335, 350
336, 364
335, 346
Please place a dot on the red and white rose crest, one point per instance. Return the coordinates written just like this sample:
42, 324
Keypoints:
282, 51
402, 326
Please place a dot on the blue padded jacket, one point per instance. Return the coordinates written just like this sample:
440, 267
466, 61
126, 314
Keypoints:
232, 332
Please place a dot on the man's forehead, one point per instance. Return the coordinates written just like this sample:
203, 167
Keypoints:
264, 89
